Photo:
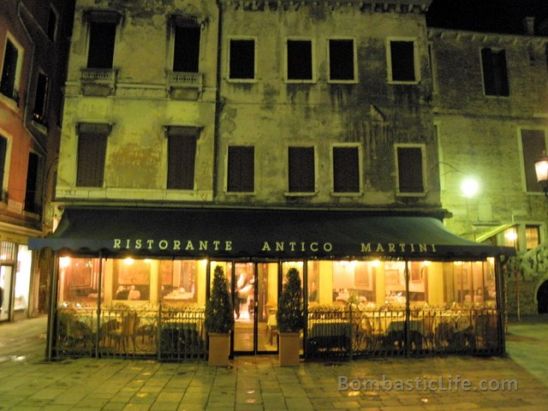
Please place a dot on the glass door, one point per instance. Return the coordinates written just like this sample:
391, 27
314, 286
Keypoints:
6, 279
267, 304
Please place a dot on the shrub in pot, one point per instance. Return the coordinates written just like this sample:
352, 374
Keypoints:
290, 319
219, 320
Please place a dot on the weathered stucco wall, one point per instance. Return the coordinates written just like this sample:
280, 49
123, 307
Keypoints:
480, 135
272, 114
141, 105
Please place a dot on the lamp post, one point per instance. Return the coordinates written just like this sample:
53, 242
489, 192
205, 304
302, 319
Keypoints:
541, 169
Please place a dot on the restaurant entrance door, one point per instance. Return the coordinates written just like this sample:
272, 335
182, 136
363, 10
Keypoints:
255, 288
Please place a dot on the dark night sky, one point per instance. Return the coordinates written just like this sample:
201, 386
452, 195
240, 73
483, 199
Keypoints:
503, 16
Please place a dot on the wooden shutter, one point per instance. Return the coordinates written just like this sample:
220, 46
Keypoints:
500, 74
488, 75
346, 166
301, 169
91, 159
533, 143
181, 161
240, 169
410, 177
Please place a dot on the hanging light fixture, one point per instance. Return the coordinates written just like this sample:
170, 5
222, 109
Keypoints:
541, 169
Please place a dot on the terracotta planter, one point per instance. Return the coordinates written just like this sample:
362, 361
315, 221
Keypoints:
219, 349
289, 349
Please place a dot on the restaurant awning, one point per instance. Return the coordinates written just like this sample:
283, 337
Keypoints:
246, 233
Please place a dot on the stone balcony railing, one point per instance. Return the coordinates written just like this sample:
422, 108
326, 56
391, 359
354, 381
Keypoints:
98, 82
184, 79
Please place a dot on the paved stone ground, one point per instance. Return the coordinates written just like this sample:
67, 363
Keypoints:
27, 382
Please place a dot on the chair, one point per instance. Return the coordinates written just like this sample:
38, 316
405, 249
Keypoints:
271, 324
126, 333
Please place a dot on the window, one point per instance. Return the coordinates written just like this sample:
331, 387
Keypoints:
346, 170
532, 236
10, 71
410, 169
92, 145
40, 99
495, 77
52, 24
242, 59
299, 60
3, 158
181, 157
533, 143
240, 169
102, 35
341, 60
186, 49
33, 195
401, 66
301, 170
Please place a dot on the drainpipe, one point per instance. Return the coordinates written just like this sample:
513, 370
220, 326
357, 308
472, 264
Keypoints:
218, 104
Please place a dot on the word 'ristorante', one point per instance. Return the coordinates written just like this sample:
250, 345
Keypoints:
172, 245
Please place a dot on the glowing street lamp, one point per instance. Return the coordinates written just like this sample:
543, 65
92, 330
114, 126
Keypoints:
469, 187
541, 169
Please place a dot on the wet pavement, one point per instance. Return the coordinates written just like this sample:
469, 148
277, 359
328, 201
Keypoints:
518, 381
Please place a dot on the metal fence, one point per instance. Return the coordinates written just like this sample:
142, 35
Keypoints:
348, 333
165, 333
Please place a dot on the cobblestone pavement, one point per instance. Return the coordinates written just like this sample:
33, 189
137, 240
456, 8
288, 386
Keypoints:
27, 382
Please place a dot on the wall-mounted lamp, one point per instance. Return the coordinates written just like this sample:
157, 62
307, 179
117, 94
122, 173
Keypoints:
541, 169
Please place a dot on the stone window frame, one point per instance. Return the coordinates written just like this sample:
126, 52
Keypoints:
187, 132
522, 158
228, 57
355, 80
483, 88
314, 75
4, 183
94, 16
92, 129
180, 20
360, 191
226, 181
41, 118
289, 193
422, 148
416, 60
13, 100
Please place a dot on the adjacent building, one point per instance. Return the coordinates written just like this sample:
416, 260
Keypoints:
258, 136
33, 45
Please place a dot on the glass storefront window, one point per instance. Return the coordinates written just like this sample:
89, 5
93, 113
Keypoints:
78, 280
22, 278
532, 236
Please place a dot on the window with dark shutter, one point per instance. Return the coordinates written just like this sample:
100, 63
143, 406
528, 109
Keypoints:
3, 151
346, 170
33, 197
242, 59
181, 157
301, 170
495, 76
533, 143
241, 169
101, 44
9, 70
186, 52
40, 99
402, 56
299, 60
410, 173
341, 60
92, 145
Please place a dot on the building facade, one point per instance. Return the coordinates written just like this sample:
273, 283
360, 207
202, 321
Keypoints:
33, 40
490, 111
258, 137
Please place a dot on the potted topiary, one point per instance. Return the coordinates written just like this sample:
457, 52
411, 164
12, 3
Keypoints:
219, 320
290, 319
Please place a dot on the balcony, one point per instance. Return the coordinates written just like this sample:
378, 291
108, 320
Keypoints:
184, 85
98, 82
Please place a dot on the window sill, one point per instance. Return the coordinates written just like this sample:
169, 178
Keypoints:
495, 96
300, 193
41, 127
403, 83
332, 81
417, 194
9, 101
291, 81
346, 194
241, 80
240, 193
